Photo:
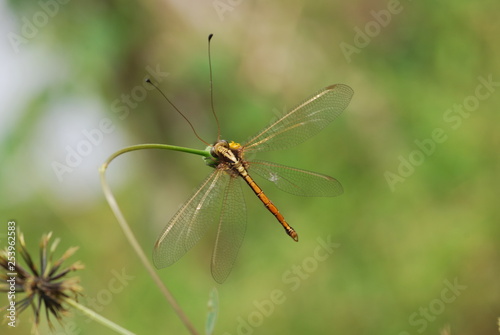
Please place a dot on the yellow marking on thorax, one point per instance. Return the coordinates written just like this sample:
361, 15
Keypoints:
234, 146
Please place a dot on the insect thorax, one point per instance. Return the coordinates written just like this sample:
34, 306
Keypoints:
227, 156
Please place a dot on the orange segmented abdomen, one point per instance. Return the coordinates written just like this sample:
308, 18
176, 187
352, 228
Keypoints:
269, 205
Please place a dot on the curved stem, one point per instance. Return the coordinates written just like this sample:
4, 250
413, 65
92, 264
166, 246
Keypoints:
130, 235
153, 146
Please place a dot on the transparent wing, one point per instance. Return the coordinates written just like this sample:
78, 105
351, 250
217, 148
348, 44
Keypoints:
297, 181
304, 121
232, 227
191, 221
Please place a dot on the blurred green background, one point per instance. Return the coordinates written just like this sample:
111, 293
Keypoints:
419, 214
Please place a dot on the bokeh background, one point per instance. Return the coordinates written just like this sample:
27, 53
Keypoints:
416, 244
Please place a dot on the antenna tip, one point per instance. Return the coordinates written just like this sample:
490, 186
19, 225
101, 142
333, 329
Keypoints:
210, 36
147, 80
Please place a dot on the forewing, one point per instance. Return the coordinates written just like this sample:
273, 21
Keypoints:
304, 121
297, 181
232, 226
191, 221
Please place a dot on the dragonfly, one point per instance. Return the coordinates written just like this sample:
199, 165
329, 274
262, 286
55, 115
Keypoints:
220, 198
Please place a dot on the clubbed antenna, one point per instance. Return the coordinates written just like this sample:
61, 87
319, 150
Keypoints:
212, 88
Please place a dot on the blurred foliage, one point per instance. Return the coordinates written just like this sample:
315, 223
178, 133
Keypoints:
399, 247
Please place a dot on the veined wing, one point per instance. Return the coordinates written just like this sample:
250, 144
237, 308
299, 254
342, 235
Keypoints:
232, 227
304, 121
191, 221
297, 181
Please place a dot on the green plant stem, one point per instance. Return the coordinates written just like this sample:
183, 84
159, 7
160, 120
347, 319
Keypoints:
130, 235
97, 317
154, 146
